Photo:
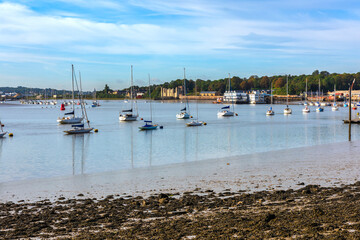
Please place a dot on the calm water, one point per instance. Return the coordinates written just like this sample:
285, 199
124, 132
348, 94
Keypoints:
39, 148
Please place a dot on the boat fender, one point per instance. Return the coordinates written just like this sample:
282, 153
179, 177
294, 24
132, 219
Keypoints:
205, 123
96, 130
191, 117
141, 119
236, 114
11, 135
161, 127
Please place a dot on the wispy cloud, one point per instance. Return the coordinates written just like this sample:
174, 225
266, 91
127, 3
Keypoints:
22, 26
164, 31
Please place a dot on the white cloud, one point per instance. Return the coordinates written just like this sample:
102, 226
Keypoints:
21, 26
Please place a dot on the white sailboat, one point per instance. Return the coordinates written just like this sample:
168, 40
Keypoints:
80, 128
69, 117
148, 123
225, 111
306, 109
195, 122
335, 106
95, 103
2, 132
319, 108
271, 112
183, 114
128, 114
287, 110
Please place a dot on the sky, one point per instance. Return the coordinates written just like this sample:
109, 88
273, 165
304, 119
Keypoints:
39, 40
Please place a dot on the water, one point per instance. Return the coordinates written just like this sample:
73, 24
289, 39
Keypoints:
40, 149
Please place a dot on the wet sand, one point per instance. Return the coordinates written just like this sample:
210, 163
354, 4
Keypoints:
305, 193
326, 165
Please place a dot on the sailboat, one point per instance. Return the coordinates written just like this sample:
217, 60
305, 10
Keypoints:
270, 112
69, 117
148, 123
287, 110
183, 114
225, 111
335, 107
128, 114
319, 108
195, 122
306, 109
95, 103
2, 132
80, 128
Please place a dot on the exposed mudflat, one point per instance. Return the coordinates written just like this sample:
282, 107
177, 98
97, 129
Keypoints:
311, 212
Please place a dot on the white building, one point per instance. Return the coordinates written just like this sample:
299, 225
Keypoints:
235, 97
257, 97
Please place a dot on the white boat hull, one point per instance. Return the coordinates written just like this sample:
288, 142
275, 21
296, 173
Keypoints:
287, 111
2, 134
128, 117
225, 113
183, 115
70, 120
306, 110
335, 108
270, 113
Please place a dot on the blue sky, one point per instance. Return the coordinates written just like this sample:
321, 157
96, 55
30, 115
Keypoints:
39, 40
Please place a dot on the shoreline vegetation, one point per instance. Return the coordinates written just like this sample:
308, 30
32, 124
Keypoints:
310, 212
296, 86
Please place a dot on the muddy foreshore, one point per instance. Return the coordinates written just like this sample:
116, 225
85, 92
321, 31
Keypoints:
312, 212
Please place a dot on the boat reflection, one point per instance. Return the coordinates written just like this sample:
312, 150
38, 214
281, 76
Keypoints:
79, 150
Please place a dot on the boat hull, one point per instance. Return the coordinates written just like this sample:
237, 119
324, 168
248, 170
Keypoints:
306, 110
270, 113
194, 124
183, 115
79, 131
225, 114
287, 111
148, 127
70, 120
2, 134
127, 118
319, 109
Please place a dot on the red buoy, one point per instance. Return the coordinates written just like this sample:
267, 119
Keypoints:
62, 107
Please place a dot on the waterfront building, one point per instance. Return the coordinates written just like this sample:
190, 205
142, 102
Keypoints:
257, 97
235, 96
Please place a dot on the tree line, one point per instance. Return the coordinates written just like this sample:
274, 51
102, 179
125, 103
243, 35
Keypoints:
296, 84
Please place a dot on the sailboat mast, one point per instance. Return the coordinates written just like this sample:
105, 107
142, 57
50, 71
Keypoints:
197, 102
271, 93
287, 91
334, 94
319, 92
150, 100
186, 100
82, 104
72, 78
131, 88
232, 97
306, 90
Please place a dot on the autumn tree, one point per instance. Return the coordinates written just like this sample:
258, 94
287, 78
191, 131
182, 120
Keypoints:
279, 83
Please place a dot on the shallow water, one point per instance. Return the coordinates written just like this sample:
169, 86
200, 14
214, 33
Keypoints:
40, 149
